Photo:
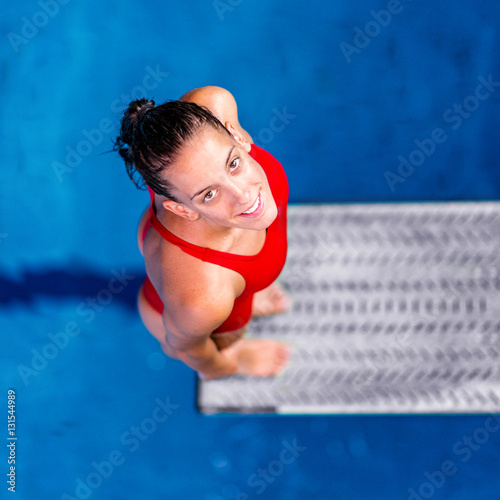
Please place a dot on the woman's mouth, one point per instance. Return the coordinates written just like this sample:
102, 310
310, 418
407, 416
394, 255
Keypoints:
255, 210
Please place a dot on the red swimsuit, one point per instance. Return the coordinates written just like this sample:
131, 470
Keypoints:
259, 270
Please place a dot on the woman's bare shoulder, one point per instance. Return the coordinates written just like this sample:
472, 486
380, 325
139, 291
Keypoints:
210, 96
190, 288
221, 103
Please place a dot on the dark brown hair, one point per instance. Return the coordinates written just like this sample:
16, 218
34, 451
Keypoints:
152, 136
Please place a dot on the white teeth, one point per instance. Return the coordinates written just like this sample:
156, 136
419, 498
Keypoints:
252, 209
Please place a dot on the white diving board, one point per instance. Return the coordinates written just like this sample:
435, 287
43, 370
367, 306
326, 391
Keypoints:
396, 311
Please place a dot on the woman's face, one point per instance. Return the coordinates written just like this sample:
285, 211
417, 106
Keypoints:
216, 180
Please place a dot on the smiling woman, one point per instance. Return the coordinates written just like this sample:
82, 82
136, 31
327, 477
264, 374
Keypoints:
214, 238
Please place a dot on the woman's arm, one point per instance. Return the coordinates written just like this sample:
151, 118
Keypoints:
221, 103
189, 326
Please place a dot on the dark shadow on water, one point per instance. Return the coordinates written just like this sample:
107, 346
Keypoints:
63, 284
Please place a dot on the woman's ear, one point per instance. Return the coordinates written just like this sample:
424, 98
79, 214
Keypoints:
238, 136
180, 210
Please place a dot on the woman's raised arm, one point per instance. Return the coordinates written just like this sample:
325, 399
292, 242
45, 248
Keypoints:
221, 103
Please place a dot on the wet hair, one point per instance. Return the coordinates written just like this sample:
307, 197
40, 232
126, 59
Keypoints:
152, 136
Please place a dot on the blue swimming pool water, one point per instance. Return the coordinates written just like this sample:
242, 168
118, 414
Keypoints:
345, 112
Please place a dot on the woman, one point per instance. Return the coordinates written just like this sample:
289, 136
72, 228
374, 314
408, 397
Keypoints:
214, 238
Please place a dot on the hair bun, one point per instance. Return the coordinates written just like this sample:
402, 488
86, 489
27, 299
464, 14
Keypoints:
137, 109
131, 117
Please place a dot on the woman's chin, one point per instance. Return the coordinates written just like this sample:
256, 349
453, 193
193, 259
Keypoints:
266, 219
272, 215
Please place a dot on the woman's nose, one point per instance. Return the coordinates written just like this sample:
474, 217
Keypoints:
241, 193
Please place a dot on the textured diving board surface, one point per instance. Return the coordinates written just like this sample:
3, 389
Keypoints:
396, 310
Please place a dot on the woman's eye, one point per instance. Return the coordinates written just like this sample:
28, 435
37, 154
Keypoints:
235, 163
209, 196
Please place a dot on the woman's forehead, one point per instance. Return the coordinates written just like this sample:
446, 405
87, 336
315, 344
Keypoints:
207, 145
205, 153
